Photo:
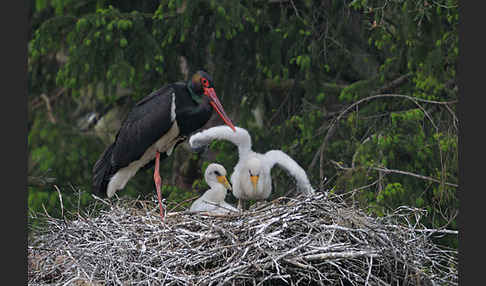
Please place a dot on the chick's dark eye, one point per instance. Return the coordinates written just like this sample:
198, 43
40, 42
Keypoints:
217, 173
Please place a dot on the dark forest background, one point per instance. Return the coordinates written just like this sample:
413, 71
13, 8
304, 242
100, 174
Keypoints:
362, 94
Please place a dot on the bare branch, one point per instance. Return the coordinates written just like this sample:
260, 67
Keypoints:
39, 181
386, 170
414, 175
37, 102
51, 117
337, 255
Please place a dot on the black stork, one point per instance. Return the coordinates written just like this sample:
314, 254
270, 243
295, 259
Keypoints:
153, 128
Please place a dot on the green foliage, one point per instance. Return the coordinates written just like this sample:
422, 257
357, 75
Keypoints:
50, 151
407, 144
178, 199
358, 90
49, 201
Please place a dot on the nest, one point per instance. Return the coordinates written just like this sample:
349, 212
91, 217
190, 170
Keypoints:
289, 241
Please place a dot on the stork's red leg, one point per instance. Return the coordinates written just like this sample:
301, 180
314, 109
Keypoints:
158, 182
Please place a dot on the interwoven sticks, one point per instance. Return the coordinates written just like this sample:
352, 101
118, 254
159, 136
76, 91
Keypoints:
292, 240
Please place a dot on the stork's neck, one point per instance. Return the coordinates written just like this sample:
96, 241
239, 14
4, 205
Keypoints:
197, 98
201, 113
216, 194
191, 113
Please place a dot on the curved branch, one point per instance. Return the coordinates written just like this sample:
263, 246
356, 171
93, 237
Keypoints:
50, 115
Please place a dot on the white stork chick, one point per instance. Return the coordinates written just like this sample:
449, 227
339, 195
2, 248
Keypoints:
212, 200
251, 178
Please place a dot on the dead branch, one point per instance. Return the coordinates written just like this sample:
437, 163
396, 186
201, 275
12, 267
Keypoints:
37, 102
336, 255
386, 170
39, 181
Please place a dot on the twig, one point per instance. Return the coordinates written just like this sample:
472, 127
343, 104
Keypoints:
369, 271
184, 201
60, 201
36, 103
386, 170
414, 175
39, 181
100, 199
336, 255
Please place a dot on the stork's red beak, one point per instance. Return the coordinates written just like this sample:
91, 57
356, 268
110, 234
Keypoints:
218, 107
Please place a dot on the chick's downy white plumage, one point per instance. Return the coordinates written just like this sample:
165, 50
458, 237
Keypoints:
213, 199
251, 178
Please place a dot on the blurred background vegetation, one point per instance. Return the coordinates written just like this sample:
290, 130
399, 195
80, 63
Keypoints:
362, 94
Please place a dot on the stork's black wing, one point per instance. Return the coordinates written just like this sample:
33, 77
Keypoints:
143, 126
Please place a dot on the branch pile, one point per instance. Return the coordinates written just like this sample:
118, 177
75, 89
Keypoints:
297, 241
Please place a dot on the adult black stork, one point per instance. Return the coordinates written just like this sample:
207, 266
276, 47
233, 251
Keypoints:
153, 128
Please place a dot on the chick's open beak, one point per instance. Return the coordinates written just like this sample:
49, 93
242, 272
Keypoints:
224, 181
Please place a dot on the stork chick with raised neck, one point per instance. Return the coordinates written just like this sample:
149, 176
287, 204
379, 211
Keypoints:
212, 201
251, 178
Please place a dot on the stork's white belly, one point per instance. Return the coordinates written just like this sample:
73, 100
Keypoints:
166, 144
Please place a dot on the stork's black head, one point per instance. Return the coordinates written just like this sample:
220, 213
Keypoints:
199, 81
201, 84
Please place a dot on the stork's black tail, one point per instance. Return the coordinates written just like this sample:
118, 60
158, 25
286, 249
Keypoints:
102, 171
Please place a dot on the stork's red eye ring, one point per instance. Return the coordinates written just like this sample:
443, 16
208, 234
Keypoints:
205, 82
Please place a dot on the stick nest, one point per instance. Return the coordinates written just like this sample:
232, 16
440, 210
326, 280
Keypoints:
294, 241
